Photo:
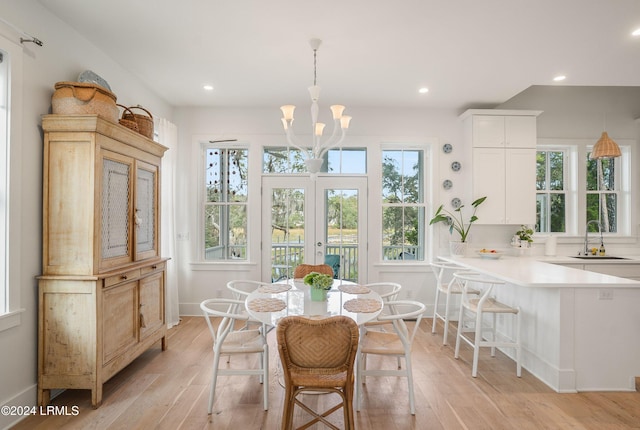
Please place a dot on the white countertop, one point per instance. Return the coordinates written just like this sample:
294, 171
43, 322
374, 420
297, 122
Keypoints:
545, 271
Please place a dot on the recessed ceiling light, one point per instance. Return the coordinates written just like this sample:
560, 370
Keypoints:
560, 78
208, 87
423, 90
636, 32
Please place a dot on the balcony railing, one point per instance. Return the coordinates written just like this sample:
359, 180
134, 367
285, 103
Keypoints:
286, 256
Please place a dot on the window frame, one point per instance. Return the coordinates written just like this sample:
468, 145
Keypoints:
203, 203
10, 315
422, 245
565, 181
576, 187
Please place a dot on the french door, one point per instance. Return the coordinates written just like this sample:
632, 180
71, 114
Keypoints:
314, 222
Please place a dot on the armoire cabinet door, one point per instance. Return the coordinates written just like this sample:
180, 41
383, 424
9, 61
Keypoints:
116, 203
146, 211
120, 320
151, 304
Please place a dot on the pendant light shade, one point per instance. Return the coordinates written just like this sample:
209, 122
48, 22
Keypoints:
605, 147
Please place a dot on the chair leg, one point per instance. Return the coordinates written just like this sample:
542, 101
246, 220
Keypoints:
409, 370
447, 300
265, 376
476, 344
493, 334
459, 334
359, 380
435, 310
214, 378
518, 347
287, 412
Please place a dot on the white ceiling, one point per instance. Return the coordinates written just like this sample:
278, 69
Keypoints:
469, 53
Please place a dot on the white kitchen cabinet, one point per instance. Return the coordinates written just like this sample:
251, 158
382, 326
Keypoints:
504, 164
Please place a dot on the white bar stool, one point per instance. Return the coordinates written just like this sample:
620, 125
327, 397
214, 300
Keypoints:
446, 287
479, 306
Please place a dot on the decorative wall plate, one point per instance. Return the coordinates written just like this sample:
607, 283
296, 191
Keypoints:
447, 148
456, 166
456, 202
447, 184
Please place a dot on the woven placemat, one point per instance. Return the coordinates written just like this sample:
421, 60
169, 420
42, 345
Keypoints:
354, 289
267, 305
274, 288
362, 305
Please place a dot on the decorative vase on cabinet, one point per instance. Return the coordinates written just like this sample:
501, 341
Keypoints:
101, 294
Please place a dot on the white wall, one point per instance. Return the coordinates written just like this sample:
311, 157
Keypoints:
64, 55
263, 126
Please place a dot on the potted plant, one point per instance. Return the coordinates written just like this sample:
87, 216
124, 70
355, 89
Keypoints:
456, 223
319, 283
524, 236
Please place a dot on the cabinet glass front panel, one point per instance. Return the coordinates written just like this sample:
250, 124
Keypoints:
115, 208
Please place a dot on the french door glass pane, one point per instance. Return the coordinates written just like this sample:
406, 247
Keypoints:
287, 231
341, 237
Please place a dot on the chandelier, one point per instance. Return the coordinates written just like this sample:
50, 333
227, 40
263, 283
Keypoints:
314, 155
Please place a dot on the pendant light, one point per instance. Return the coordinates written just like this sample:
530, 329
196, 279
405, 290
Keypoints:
605, 147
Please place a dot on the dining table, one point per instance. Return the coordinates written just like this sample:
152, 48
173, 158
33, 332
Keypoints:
272, 302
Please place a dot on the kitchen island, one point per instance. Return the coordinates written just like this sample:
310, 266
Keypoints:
580, 329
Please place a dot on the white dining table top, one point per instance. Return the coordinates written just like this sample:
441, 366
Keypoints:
297, 301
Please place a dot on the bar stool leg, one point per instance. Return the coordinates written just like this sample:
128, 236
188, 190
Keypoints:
435, 311
476, 344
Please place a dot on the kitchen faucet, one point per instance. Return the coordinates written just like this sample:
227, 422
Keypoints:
586, 235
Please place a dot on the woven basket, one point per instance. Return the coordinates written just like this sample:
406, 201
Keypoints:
145, 122
129, 123
72, 98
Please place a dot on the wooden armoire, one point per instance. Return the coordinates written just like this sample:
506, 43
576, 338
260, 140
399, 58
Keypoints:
102, 289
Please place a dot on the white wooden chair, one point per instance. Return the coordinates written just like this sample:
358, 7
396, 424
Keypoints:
478, 306
448, 288
396, 343
228, 341
240, 289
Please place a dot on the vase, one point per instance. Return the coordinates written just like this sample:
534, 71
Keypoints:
318, 294
457, 248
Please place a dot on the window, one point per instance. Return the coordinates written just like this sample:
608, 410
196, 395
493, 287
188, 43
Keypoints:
403, 208
337, 161
226, 203
551, 197
573, 189
602, 194
10, 155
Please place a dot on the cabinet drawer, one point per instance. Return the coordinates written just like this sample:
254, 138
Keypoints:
121, 277
157, 267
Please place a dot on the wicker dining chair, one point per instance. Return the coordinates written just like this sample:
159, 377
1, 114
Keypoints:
318, 356
303, 270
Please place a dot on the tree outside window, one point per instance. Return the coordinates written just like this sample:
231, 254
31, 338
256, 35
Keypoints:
550, 191
602, 194
403, 206
225, 206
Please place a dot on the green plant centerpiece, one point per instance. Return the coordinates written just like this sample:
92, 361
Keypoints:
456, 222
318, 280
319, 284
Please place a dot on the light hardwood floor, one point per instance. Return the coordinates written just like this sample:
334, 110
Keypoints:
169, 390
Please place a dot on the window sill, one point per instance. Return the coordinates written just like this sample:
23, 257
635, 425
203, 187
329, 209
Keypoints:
10, 319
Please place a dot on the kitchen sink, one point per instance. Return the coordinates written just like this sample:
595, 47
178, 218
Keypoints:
598, 257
